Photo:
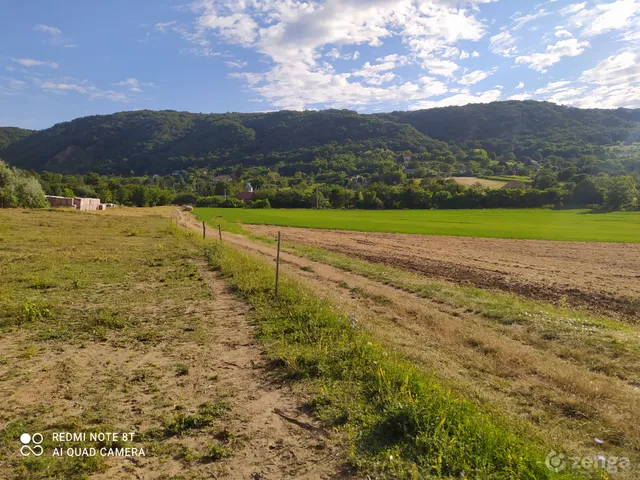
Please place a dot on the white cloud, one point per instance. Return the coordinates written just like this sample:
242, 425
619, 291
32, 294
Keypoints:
335, 54
520, 85
520, 96
459, 99
134, 84
84, 88
464, 54
503, 44
56, 37
553, 86
236, 64
30, 62
475, 76
164, 26
475, 54
373, 73
603, 17
437, 66
53, 31
564, 48
613, 16
519, 21
563, 33
623, 68
294, 34
573, 8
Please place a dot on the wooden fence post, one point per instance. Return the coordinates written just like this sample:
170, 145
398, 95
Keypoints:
204, 230
277, 264
220, 233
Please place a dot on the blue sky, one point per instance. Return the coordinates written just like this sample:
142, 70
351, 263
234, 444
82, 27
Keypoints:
63, 60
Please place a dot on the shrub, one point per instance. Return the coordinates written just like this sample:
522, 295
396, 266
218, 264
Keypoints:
263, 203
185, 198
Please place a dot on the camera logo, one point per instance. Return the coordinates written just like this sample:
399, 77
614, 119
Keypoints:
555, 461
35, 439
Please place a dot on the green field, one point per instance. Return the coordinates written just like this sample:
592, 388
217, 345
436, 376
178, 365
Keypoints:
539, 224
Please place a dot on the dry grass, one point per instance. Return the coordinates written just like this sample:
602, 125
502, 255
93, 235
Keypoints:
472, 181
94, 324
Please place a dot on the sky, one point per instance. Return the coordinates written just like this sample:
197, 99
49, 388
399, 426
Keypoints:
63, 60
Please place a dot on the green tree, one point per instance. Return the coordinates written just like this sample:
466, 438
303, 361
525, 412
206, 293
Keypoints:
587, 192
29, 193
621, 193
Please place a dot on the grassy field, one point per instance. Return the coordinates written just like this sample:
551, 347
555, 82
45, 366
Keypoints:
469, 181
538, 224
105, 326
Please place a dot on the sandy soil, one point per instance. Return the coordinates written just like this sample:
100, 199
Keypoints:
601, 276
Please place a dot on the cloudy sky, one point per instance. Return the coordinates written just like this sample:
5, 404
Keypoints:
62, 60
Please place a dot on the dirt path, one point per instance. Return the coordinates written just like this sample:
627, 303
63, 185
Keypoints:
601, 276
282, 441
505, 365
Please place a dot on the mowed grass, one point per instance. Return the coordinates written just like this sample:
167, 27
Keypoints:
536, 224
105, 326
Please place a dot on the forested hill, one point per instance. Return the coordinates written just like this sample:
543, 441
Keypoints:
161, 141
9, 135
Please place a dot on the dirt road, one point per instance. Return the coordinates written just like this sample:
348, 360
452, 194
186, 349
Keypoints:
601, 276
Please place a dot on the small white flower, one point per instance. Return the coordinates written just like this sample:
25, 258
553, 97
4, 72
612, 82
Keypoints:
598, 440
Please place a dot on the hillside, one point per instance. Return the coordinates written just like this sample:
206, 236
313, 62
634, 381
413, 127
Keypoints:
9, 135
161, 141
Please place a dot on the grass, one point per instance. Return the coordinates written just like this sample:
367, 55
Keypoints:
401, 423
105, 325
539, 224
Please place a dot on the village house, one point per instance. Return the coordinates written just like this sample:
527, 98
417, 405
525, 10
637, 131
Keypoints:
248, 193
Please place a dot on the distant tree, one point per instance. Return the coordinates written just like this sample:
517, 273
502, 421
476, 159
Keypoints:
185, 199
587, 193
621, 193
29, 193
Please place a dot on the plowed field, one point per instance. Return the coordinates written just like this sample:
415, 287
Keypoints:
600, 276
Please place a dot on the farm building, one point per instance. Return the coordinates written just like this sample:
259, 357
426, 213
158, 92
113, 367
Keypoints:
75, 203
248, 193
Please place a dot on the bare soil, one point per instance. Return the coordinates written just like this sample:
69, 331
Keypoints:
601, 276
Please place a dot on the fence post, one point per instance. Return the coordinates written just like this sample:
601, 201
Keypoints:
204, 230
277, 265
220, 233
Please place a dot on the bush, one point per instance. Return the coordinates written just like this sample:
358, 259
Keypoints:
264, 203
214, 201
19, 190
185, 198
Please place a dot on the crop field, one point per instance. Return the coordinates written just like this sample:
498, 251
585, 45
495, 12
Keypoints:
469, 181
537, 224
601, 276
